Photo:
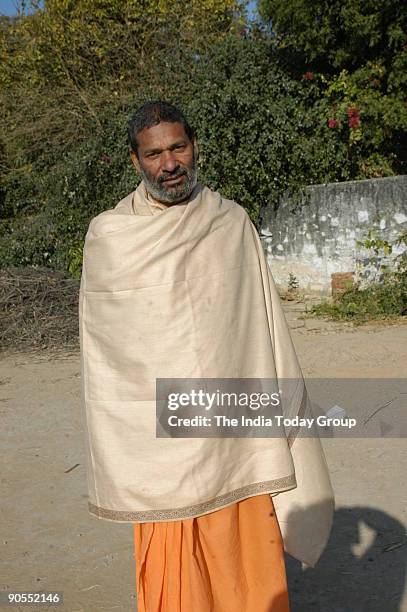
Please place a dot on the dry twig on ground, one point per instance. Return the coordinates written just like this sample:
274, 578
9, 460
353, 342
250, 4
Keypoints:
38, 309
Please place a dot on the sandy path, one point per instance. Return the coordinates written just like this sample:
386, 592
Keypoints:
50, 542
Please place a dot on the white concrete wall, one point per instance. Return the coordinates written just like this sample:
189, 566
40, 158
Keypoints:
317, 236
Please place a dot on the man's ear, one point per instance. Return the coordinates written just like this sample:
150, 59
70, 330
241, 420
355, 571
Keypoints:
135, 161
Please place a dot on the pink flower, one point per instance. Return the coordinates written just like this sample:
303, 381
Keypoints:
106, 158
308, 76
333, 123
354, 121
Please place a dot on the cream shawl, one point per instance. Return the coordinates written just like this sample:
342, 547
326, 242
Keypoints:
186, 292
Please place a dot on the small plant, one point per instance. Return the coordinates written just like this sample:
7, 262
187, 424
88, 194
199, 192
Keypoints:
292, 289
373, 242
292, 282
75, 255
386, 299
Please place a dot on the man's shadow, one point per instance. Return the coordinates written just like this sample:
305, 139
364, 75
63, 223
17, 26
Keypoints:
361, 570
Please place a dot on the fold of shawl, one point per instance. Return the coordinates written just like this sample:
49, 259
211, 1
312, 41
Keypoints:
186, 292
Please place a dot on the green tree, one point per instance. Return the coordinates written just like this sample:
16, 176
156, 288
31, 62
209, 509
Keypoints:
355, 53
60, 64
66, 71
332, 35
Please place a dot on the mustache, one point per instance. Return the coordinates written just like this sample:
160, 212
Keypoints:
177, 174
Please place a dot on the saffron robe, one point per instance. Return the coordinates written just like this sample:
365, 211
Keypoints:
227, 561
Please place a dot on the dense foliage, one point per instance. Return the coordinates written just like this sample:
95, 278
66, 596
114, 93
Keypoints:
331, 35
72, 73
355, 53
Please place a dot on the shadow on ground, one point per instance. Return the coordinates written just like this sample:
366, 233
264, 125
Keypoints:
362, 569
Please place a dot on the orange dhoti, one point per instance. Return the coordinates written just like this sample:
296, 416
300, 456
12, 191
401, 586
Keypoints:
230, 560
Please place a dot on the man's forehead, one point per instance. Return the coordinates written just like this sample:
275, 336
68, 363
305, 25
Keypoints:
163, 133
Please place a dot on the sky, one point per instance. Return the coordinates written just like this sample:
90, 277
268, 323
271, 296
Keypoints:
8, 7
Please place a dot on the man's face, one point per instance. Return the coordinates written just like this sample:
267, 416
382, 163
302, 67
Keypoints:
166, 162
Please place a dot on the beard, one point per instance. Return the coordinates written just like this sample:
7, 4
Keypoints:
171, 194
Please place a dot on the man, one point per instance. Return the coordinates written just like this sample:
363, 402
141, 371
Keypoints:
175, 285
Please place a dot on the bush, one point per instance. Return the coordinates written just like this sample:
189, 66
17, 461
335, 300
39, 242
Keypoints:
377, 301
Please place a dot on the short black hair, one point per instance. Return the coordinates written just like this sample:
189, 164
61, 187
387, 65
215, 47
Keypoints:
152, 113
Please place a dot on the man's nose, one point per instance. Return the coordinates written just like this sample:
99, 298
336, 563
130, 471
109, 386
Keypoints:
168, 161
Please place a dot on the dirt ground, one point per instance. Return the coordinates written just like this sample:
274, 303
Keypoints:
49, 541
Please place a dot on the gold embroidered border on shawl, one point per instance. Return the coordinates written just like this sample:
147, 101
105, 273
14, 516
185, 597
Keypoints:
140, 516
